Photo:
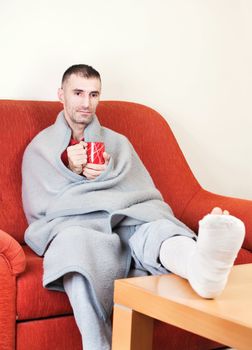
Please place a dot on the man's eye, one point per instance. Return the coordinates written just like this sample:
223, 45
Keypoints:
94, 94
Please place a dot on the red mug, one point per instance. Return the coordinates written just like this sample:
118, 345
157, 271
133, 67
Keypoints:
95, 152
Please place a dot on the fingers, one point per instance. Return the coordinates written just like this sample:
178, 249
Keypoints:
77, 157
78, 149
91, 171
106, 157
77, 161
83, 143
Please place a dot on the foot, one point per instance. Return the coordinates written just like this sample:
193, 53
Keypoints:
219, 241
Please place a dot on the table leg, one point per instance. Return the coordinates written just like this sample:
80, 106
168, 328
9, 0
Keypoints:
131, 330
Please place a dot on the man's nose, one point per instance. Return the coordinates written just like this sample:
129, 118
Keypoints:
85, 101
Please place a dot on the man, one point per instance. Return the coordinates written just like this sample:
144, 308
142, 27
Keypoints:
93, 223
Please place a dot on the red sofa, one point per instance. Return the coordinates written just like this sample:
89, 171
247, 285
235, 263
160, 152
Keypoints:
32, 318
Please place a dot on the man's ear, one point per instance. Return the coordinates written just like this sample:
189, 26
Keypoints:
61, 95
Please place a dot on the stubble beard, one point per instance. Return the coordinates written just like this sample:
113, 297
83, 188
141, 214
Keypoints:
79, 119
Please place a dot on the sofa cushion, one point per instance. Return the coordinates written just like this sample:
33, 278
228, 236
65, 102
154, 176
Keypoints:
58, 333
33, 300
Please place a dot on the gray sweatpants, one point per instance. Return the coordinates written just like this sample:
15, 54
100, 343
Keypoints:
145, 245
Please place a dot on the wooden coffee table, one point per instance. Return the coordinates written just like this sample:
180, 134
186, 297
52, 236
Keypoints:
169, 298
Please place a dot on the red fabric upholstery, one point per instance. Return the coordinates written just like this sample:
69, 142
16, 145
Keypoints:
40, 319
7, 306
178, 339
43, 303
20, 122
203, 201
12, 263
59, 333
13, 253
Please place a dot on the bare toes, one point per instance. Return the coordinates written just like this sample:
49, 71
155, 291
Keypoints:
217, 211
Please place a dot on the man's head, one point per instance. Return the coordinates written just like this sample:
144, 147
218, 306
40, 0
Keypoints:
80, 94
80, 69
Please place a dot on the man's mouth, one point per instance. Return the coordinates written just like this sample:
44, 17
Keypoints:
86, 112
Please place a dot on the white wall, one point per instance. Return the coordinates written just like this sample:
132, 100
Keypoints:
189, 59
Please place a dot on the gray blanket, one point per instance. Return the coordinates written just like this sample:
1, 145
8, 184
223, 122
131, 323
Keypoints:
84, 225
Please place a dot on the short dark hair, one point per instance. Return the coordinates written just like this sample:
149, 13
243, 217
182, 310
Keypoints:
81, 69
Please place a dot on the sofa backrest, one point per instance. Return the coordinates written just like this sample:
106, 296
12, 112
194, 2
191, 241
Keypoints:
146, 129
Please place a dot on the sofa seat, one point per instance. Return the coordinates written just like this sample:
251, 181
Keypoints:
33, 300
36, 302
40, 335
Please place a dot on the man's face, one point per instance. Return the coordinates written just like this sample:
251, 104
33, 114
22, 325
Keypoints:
80, 97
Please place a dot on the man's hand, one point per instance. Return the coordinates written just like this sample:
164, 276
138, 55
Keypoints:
77, 157
91, 171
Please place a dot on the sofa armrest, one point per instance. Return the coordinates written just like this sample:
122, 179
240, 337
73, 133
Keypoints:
13, 254
12, 263
203, 202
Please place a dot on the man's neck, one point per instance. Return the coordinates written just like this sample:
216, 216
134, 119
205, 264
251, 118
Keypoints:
77, 130
77, 133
